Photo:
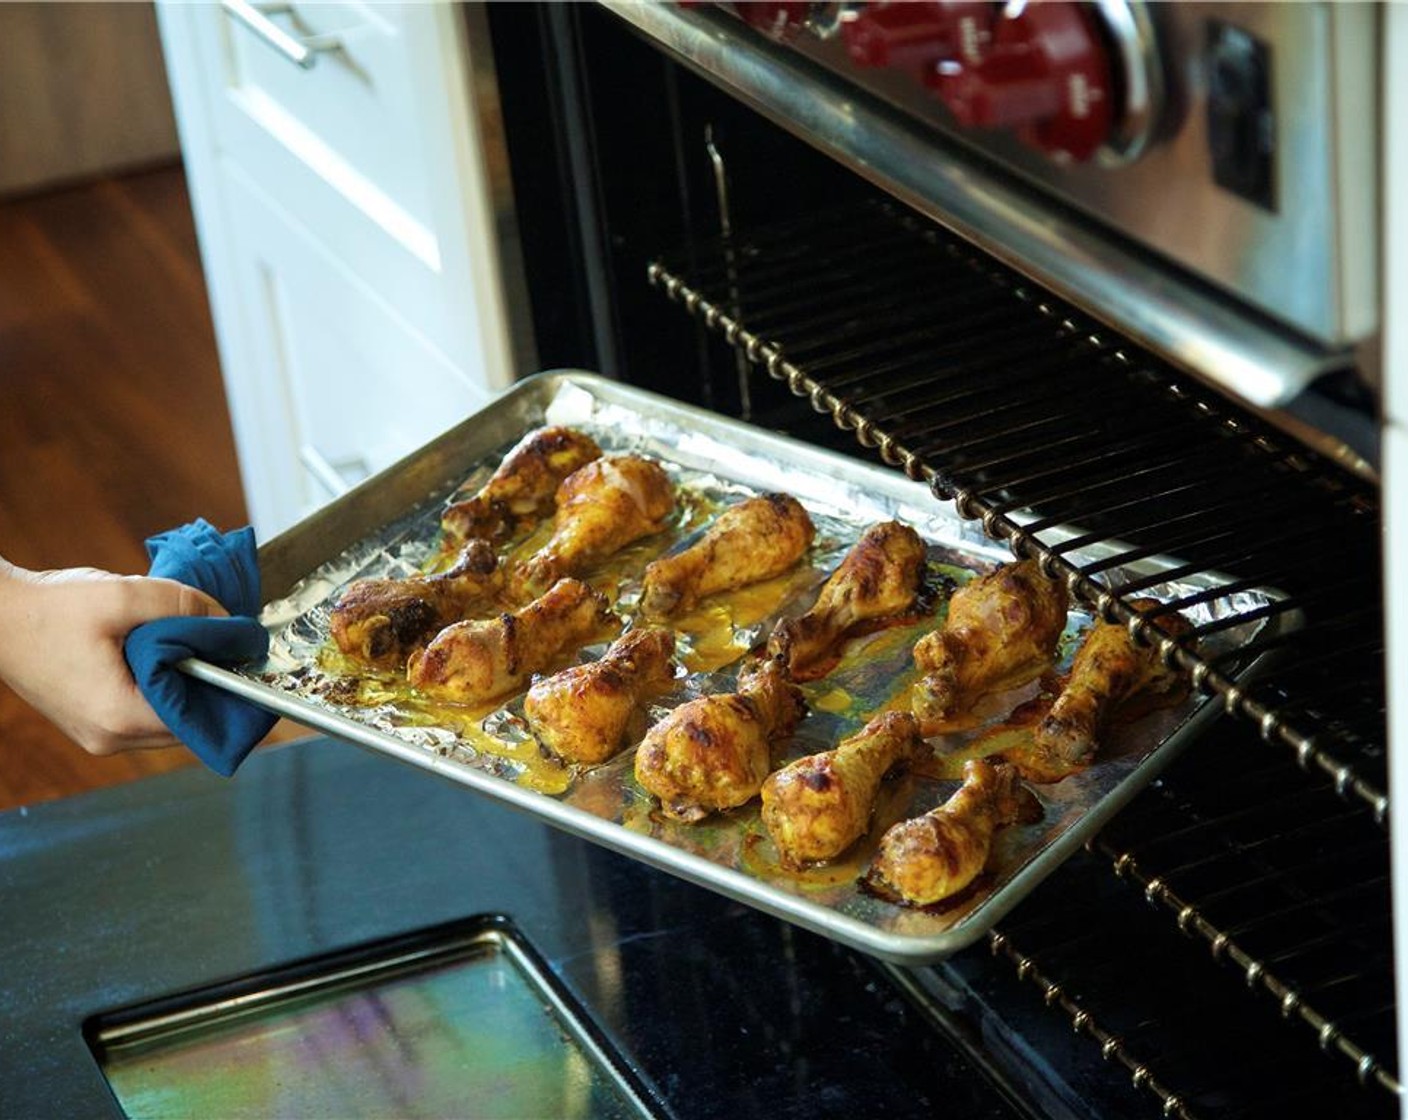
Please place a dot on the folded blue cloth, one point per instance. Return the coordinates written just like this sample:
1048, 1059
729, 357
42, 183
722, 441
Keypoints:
218, 726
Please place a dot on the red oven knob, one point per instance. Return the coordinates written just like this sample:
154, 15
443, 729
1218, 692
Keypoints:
1047, 76
914, 36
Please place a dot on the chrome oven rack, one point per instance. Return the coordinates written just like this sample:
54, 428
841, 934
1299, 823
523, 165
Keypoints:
1029, 417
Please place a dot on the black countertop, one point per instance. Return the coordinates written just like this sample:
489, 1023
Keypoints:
174, 883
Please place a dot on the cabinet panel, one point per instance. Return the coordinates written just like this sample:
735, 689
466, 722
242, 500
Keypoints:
338, 384
374, 150
345, 117
349, 235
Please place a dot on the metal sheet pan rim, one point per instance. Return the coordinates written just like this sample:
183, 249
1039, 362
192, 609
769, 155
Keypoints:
907, 949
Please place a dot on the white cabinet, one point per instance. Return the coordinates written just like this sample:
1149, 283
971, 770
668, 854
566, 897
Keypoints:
348, 233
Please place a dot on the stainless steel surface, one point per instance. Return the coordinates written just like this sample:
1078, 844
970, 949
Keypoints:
305, 567
1078, 255
1310, 261
301, 50
1132, 31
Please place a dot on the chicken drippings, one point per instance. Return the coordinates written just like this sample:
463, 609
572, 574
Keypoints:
716, 634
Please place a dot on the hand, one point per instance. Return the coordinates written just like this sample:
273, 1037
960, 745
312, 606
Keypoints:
61, 636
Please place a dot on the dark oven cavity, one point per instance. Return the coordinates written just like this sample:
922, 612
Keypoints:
1224, 946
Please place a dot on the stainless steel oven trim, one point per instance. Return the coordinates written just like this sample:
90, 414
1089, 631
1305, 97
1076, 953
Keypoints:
1192, 326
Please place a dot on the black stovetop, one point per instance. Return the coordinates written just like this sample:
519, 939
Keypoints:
175, 883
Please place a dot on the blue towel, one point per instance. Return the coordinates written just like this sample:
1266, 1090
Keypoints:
218, 726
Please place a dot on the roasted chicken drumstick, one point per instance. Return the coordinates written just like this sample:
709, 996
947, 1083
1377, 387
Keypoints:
817, 807
880, 577
379, 622
582, 713
523, 488
474, 662
750, 542
935, 856
1001, 632
601, 508
714, 752
1108, 671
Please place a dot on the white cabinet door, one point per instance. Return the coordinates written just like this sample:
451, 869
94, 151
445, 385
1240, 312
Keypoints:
337, 385
348, 232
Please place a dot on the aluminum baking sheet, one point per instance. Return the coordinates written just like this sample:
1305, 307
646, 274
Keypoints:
388, 526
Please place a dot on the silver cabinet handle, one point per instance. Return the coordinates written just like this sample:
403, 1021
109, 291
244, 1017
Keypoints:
301, 50
335, 478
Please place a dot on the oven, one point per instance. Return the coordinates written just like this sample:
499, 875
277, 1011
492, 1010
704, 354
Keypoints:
1109, 265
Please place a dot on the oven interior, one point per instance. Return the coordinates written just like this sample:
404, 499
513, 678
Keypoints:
1223, 948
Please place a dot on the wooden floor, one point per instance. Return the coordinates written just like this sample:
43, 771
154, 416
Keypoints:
113, 423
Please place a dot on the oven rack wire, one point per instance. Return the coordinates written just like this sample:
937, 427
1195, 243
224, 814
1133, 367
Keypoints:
846, 314
1029, 418
1115, 974
1284, 884
1312, 967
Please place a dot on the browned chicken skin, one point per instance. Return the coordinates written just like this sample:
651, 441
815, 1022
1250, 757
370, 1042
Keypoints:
817, 807
474, 662
749, 542
935, 856
880, 577
601, 508
379, 622
714, 752
1108, 671
523, 488
582, 713
1001, 631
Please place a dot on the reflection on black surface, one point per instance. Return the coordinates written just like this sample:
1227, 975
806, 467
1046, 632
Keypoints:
719, 1002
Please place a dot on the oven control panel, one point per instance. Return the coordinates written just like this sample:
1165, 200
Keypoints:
1041, 71
1236, 139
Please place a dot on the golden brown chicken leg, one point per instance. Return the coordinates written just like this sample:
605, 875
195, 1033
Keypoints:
1001, 632
582, 713
817, 807
1108, 672
380, 621
935, 856
474, 662
523, 488
880, 577
714, 752
601, 508
750, 542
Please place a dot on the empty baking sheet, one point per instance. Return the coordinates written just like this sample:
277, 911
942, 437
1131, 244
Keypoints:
458, 1020
388, 526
